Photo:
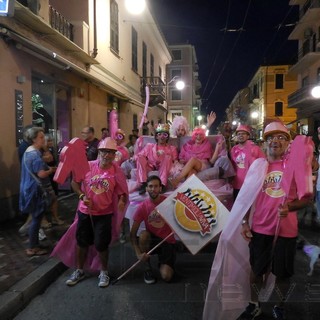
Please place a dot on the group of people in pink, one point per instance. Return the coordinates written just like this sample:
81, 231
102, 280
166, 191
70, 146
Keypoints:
258, 238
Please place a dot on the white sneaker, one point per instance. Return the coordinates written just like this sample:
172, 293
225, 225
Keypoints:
76, 276
42, 235
103, 279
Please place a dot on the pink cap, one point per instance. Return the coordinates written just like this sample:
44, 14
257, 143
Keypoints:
108, 143
275, 127
243, 127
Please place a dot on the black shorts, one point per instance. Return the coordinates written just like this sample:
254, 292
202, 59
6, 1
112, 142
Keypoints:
166, 252
282, 259
97, 231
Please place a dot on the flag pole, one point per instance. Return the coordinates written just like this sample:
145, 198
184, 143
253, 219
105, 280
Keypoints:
137, 262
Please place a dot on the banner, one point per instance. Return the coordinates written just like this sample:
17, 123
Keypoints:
194, 213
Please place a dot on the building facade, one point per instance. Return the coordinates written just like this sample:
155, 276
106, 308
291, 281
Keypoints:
307, 68
184, 66
67, 64
265, 99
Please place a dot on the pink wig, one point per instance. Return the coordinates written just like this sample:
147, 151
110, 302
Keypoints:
198, 130
178, 121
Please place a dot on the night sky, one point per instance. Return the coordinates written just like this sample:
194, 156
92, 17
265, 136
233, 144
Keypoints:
232, 39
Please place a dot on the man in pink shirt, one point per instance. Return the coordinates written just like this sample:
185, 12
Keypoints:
242, 156
156, 230
159, 156
103, 188
273, 228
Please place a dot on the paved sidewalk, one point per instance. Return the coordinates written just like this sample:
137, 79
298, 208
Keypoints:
14, 263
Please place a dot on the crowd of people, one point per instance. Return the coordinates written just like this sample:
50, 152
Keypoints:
269, 224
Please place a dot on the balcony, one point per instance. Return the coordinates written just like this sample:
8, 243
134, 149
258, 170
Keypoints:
49, 24
310, 9
301, 98
60, 23
157, 90
308, 54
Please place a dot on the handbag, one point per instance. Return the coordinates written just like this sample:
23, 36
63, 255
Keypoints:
44, 191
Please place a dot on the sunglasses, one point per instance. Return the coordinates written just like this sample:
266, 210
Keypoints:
119, 136
104, 152
163, 134
277, 138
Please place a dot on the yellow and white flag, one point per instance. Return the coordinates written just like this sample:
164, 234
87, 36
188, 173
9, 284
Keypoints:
194, 213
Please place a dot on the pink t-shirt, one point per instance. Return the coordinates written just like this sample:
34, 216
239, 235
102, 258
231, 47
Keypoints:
152, 219
242, 158
272, 195
99, 185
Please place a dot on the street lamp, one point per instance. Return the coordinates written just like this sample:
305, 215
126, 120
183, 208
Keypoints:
254, 115
315, 92
199, 118
135, 6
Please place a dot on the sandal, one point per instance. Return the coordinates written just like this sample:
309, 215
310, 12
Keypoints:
57, 222
46, 225
35, 252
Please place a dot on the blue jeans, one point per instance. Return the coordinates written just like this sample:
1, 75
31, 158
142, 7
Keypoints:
318, 204
34, 230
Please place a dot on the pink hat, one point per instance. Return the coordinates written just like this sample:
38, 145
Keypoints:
243, 127
275, 127
108, 143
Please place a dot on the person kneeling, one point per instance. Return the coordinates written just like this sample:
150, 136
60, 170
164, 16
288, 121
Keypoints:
156, 230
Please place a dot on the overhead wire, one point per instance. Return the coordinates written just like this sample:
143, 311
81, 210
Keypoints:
231, 52
219, 49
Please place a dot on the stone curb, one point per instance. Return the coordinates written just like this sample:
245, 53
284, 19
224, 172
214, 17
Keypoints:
20, 294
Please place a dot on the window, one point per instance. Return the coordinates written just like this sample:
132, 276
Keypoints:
134, 46
176, 95
278, 109
151, 65
279, 81
176, 73
135, 121
144, 60
318, 75
176, 54
114, 26
305, 82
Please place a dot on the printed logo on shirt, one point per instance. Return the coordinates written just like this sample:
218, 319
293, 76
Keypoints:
195, 211
240, 160
99, 184
155, 220
271, 185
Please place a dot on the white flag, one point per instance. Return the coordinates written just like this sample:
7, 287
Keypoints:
194, 213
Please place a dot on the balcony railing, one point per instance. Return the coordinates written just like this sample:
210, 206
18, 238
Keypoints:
157, 89
310, 4
309, 45
60, 23
300, 97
